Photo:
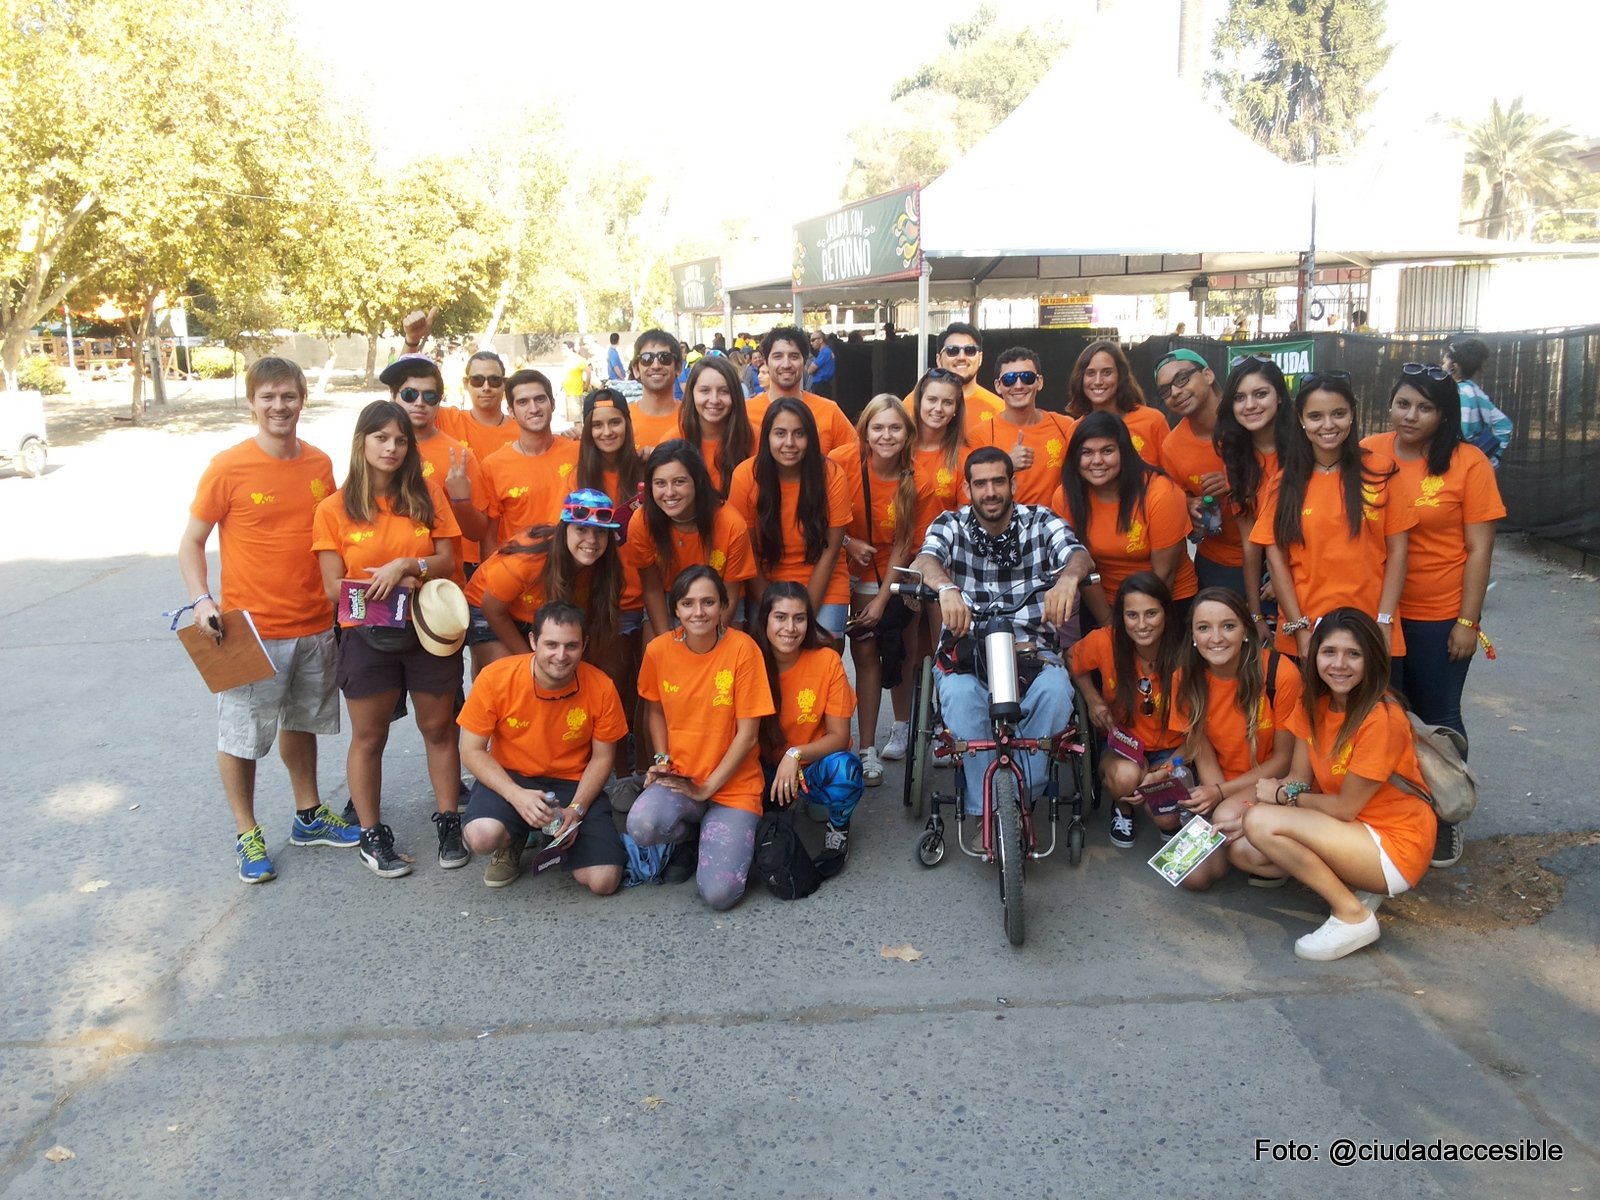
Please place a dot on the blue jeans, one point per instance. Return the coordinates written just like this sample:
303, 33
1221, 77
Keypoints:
964, 707
1431, 682
1215, 574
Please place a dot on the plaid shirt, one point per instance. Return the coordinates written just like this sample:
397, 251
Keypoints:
1046, 542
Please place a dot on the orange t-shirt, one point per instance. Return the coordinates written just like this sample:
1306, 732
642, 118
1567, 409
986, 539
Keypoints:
703, 697
1225, 726
1047, 438
978, 403
1382, 747
815, 687
460, 424
1436, 562
534, 732
1328, 569
881, 534
730, 555
384, 539
435, 454
711, 451
649, 430
1162, 521
939, 487
264, 508
833, 427
1188, 457
525, 491
1092, 652
792, 566
1149, 430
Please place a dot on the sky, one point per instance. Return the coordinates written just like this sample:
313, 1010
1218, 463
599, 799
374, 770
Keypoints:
743, 109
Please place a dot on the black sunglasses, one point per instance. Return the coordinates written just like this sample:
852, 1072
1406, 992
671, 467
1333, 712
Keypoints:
1318, 378
1147, 704
1025, 378
411, 395
964, 351
494, 381
1432, 372
1177, 381
649, 358
941, 373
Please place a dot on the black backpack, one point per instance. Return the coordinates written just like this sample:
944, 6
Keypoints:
782, 862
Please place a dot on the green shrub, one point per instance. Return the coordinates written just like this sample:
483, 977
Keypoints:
41, 375
212, 362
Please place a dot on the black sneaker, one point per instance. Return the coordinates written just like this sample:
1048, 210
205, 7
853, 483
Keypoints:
452, 853
835, 850
1124, 828
349, 814
1447, 847
685, 860
378, 853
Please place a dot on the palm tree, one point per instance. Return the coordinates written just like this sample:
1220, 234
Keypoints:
1515, 165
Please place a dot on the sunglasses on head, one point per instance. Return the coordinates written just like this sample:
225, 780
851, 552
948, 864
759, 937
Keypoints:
588, 512
649, 358
964, 351
493, 381
1318, 378
1025, 378
411, 395
1432, 372
941, 373
1163, 390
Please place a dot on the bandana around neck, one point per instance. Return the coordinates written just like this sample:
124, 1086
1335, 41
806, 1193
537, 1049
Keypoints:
1003, 549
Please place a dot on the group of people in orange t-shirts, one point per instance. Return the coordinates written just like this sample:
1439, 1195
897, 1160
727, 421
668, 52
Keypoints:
616, 571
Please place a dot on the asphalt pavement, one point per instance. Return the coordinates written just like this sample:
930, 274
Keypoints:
332, 1033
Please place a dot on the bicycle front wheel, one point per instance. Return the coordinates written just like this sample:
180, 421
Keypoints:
1009, 851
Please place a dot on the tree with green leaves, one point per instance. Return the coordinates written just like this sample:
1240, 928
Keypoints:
1517, 166
946, 106
1297, 74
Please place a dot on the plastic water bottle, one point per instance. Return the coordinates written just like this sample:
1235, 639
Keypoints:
1210, 520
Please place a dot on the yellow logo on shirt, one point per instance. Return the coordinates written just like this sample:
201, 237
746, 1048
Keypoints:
1263, 717
1052, 450
357, 536
427, 470
1136, 538
420, 531
1138, 442
318, 489
669, 689
944, 483
724, 683
887, 524
516, 493
717, 560
263, 498
576, 720
1432, 485
1341, 761
1369, 500
807, 700
515, 723
564, 470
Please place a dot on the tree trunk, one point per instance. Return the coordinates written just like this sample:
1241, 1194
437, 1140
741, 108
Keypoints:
372, 357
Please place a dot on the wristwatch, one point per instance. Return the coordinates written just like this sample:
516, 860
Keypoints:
1385, 618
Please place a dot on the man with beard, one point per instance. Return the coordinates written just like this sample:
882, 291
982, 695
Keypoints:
785, 349
655, 414
961, 353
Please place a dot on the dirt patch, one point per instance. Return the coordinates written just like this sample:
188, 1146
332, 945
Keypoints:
1499, 882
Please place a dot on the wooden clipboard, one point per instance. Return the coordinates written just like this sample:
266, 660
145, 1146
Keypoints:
240, 659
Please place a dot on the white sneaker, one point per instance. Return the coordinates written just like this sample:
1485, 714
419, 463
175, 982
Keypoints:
899, 735
1335, 939
871, 768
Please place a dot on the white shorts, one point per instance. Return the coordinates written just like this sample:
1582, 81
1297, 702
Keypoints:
1391, 874
301, 697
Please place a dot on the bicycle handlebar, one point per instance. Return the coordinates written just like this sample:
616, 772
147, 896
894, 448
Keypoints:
989, 608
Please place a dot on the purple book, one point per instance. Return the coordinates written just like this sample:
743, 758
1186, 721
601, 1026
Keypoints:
393, 611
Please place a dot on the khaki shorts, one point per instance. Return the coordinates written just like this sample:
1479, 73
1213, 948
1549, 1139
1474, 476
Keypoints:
300, 698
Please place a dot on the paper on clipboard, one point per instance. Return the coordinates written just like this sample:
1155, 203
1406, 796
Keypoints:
241, 657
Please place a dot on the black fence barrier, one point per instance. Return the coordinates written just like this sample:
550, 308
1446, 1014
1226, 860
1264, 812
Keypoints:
1548, 383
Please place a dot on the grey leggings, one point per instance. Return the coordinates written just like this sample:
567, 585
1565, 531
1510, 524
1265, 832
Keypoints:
727, 838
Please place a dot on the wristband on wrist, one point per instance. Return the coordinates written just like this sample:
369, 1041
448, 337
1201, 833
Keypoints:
202, 596
1483, 638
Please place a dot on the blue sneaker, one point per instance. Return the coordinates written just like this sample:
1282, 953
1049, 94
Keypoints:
326, 828
254, 865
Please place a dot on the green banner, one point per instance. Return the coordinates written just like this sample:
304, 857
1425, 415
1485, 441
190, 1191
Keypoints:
1294, 359
697, 286
869, 242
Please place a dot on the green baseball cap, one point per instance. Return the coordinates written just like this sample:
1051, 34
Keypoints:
1191, 356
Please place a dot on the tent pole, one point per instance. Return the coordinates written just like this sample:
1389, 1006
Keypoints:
727, 319
922, 317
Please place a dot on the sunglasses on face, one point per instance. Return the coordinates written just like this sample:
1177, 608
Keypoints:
412, 395
1025, 378
968, 351
1177, 381
493, 381
1432, 372
650, 358
1318, 378
589, 512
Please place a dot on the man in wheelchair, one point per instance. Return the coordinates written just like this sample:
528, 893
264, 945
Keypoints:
994, 547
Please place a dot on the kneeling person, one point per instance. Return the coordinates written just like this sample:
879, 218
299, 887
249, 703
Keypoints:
539, 733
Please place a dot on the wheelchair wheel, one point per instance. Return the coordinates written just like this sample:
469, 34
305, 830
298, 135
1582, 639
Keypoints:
1009, 850
930, 849
1075, 843
918, 744
1085, 766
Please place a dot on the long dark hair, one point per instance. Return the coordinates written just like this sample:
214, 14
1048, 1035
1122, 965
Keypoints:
407, 493
1445, 397
686, 579
1129, 394
1125, 656
1194, 693
1298, 459
771, 735
1133, 481
737, 438
812, 511
1368, 694
592, 465
677, 450
1235, 444
561, 574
